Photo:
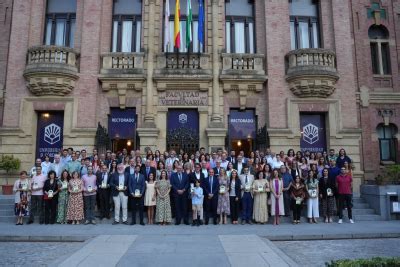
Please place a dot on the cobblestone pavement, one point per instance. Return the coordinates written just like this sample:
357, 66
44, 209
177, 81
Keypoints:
35, 253
317, 252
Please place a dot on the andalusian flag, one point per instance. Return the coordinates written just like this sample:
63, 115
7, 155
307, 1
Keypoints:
189, 23
177, 32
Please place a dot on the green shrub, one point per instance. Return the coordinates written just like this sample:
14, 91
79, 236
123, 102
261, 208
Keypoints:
9, 163
374, 262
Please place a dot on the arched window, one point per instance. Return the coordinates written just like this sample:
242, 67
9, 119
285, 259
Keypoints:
387, 141
239, 26
380, 54
127, 26
304, 24
60, 23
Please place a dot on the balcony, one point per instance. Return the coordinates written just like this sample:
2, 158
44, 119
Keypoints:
311, 72
243, 73
178, 66
51, 70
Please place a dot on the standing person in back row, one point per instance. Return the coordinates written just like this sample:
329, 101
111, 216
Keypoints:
247, 180
344, 184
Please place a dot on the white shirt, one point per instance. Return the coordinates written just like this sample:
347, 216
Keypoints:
239, 167
205, 172
276, 164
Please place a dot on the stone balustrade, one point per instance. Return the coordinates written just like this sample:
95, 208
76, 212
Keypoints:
311, 72
250, 63
51, 70
122, 63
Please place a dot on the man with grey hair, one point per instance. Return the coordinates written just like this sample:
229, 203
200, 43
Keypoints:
217, 168
57, 165
119, 188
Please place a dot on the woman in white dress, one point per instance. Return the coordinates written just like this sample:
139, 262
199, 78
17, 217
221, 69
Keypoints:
150, 198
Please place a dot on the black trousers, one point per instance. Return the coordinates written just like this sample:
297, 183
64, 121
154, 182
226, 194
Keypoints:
36, 208
296, 210
235, 208
104, 202
286, 202
50, 210
137, 205
181, 208
345, 200
210, 208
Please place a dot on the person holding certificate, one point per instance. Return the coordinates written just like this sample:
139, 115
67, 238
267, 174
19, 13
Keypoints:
119, 190
234, 195
247, 180
312, 201
36, 204
89, 194
75, 200
327, 188
137, 187
223, 208
260, 189
298, 194
22, 194
63, 197
211, 190
103, 185
50, 196
276, 186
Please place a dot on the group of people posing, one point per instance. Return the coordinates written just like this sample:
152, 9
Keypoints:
212, 187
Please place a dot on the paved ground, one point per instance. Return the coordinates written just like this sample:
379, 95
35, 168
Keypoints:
316, 253
221, 245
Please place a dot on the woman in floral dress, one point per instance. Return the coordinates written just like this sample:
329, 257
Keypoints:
63, 197
22, 196
163, 203
223, 208
75, 201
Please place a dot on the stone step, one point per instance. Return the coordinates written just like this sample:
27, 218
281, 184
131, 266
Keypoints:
369, 217
7, 200
360, 206
358, 200
9, 212
363, 212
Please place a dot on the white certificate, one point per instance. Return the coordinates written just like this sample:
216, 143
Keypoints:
222, 189
121, 187
24, 186
103, 184
137, 192
260, 188
35, 186
50, 193
313, 193
191, 187
75, 189
298, 201
329, 192
64, 185
89, 189
247, 187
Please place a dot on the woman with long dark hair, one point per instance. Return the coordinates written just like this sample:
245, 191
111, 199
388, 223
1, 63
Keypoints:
312, 201
63, 197
50, 197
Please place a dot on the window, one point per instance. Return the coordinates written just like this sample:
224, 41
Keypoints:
60, 23
196, 46
387, 141
304, 24
127, 26
380, 54
239, 26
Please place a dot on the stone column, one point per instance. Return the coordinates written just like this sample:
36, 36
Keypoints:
149, 115
148, 132
216, 116
216, 132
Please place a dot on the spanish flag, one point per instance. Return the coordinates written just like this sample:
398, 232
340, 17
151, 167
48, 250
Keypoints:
177, 33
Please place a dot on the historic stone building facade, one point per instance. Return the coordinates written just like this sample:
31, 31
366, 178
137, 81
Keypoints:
287, 74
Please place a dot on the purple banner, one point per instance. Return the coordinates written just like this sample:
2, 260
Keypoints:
187, 118
122, 123
242, 124
50, 129
313, 132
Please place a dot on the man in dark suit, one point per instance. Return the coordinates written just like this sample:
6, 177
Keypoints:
232, 157
196, 175
210, 187
103, 185
131, 168
180, 187
119, 191
137, 187
239, 165
218, 167
147, 169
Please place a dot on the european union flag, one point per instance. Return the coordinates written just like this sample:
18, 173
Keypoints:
201, 23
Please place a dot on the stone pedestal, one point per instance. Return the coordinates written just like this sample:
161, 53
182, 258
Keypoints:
216, 138
148, 138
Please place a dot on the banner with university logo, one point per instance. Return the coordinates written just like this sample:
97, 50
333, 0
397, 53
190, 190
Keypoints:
313, 137
242, 124
122, 123
50, 129
187, 118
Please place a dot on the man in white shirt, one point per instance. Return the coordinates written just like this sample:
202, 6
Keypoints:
224, 161
171, 159
38, 163
204, 169
247, 180
36, 206
239, 165
277, 163
57, 165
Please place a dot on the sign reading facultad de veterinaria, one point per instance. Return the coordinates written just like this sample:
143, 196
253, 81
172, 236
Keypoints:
182, 98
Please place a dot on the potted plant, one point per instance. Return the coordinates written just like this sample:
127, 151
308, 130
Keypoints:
9, 163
